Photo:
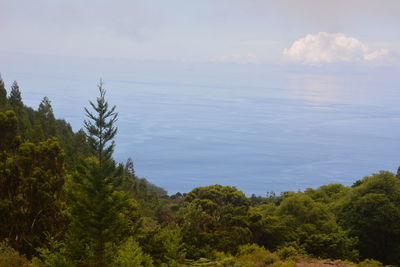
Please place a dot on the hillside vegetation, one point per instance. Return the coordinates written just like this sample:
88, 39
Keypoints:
64, 201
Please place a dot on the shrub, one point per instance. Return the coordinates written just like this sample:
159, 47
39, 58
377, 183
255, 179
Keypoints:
288, 252
369, 263
253, 255
11, 258
130, 255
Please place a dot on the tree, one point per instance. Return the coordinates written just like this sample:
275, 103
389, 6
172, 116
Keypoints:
314, 227
215, 218
45, 108
15, 98
31, 185
46, 118
101, 216
101, 129
371, 211
3, 93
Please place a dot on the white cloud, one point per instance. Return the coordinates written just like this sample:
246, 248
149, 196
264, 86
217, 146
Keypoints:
378, 54
329, 48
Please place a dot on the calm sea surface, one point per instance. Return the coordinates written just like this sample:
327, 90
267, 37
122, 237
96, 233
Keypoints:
261, 129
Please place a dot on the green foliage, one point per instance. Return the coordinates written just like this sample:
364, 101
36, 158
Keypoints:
101, 216
332, 246
54, 255
227, 261
215, 218
3, 94
288, 252
371, 211
48, 122
253, 255
286, 263
9, 136
315, 227
163, 244
210, 197
130, 254
146, 194
327, 193
36, 126
11, 258
31, 187
369, 263
100, 128
114, 218
15, 98
267, 228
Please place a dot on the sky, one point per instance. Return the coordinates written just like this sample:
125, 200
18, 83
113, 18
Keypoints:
307, 32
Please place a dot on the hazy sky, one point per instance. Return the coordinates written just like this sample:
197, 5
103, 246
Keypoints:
244, 31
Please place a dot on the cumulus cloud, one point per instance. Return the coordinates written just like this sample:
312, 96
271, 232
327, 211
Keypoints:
330, 48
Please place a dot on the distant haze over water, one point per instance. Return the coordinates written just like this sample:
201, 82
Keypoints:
258, 127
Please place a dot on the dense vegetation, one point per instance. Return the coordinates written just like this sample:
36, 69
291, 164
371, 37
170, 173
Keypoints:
64, 201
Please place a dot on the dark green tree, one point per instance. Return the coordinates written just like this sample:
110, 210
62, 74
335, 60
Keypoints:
3, 93
45, 108
31, 182
46, 118
371, 211
101, 128
215, 218
15, 98
102, 217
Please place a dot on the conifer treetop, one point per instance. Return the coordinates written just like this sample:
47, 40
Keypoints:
100, 126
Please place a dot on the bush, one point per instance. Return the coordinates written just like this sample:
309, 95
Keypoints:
369, 263
11, 258
253, 255
54, 255
288, 252
287, 263
130, 255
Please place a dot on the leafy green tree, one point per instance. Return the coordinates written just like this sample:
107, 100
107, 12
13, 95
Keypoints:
164, 244
146, 194
9, 136
216, 218
15, 98
36, 126
101, 215
371, 211
31, 186
327, 194
267, 227
314, 227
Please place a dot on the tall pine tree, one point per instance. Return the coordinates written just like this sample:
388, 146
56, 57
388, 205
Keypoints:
15, 98
46, 109
101, 216
46, 116
3, 93
101, 128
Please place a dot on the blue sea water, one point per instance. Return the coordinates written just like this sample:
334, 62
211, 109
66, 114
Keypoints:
261, 127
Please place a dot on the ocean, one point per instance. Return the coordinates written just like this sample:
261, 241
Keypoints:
258, 127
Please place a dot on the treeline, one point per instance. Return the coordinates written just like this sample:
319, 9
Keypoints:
64, 201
